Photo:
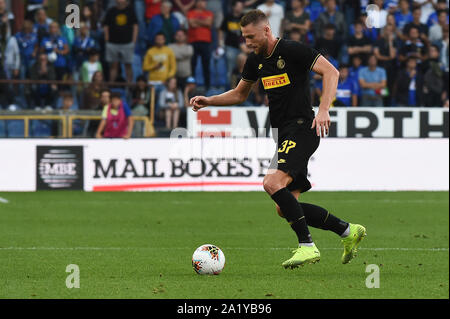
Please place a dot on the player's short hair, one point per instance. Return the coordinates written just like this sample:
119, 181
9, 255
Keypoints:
253, 17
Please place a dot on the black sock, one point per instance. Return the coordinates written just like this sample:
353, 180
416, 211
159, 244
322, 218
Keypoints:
319, 217
293, 212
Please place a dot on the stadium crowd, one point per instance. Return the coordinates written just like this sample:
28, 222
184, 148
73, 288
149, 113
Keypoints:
396, 55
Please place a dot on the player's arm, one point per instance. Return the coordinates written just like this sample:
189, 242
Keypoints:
330, 79
235, 96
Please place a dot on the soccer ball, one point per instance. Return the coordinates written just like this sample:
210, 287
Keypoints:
208, 260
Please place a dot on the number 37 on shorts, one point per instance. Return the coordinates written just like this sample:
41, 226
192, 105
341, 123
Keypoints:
286, 146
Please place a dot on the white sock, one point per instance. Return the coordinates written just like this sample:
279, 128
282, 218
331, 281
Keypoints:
306, 244
347, 232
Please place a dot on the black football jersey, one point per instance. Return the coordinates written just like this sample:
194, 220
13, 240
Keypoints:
285, 77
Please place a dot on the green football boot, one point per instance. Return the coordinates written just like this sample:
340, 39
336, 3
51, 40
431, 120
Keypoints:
351, 242
303, 255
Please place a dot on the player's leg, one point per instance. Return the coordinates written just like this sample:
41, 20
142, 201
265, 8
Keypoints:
275, 184
318, 217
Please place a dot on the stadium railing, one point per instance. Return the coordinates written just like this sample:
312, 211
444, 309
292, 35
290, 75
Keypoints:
66, 118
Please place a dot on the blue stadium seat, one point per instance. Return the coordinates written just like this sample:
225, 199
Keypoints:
2, 129
15, 128
40, 128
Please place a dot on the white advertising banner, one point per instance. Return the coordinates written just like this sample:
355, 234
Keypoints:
388, 122
230, 164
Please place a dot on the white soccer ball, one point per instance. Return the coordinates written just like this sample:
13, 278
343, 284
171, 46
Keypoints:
208, 260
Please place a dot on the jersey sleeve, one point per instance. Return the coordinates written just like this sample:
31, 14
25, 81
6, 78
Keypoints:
303, 55
249, 74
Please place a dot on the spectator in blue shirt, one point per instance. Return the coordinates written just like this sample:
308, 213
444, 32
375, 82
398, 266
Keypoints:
433, 18
56, 47
347, 91
165, 22
82, 45
27, 41
42, 24
372, 80
404, 15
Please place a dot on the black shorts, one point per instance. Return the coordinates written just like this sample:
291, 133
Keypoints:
296, 143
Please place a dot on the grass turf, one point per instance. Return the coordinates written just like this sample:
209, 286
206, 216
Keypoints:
139, 245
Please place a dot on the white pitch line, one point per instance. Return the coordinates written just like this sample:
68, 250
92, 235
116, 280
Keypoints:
229, 248
4, 200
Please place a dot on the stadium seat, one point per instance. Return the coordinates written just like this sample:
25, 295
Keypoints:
40, 128
2, 129
15, 128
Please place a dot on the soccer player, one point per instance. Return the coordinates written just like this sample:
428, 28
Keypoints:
284, 68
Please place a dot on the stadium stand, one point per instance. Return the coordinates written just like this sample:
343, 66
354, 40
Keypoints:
400, 30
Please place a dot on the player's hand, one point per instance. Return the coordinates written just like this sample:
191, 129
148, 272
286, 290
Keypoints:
322, 123
198, 102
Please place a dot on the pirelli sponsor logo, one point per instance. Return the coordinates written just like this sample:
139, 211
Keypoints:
275, 81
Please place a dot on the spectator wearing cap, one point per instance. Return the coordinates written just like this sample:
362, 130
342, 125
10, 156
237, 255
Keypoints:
121, 32
199, 35
116, 119
91, 66
183, 55
165, 23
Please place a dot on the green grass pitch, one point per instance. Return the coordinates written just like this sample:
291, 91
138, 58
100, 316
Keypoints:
139, 245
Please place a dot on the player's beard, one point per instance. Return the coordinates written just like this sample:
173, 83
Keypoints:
262, 50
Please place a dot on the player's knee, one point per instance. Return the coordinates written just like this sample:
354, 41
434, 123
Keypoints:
271, 185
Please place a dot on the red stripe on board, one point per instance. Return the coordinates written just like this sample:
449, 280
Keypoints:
118, 188
214, 134
206, 117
